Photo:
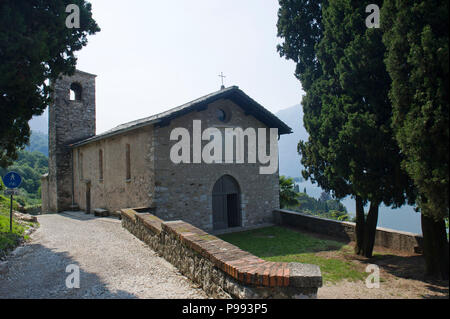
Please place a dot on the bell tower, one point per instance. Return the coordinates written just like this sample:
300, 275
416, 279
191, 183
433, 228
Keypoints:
71, 119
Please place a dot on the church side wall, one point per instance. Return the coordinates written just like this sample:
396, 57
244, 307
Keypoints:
184, 191
115, 191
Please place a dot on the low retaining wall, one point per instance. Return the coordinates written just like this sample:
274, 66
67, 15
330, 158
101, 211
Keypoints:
389, 238
220, 268
32, 210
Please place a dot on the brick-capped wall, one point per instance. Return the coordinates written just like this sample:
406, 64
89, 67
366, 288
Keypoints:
222, 269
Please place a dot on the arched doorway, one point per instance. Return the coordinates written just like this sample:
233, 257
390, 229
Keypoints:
226, 203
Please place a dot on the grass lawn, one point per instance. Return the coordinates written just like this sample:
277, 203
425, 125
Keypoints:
10, 240
285, 245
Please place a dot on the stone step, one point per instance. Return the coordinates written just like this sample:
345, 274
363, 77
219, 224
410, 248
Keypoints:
116, 214
101, 212
74, 207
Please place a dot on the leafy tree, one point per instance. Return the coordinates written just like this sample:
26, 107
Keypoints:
288, 196
338, 215
332, 209
35, 45
351, 149
416, 37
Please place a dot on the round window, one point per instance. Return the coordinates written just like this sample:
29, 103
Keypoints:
221, 115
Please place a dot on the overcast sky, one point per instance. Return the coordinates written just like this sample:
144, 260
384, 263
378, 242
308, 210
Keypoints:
154, 55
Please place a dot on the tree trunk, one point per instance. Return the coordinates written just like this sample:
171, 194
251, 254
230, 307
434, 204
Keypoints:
360, 225
370, 229
435, 247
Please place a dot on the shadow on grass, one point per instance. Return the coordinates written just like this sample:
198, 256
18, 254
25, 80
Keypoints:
442, 290
37, 272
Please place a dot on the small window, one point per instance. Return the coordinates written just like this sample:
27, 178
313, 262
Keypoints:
100, 164
80, 162
128, 162
75, 92
223, 114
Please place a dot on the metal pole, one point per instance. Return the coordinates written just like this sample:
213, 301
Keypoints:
11, 214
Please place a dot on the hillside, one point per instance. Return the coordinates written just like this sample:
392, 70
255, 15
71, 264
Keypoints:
31, 166
38, 143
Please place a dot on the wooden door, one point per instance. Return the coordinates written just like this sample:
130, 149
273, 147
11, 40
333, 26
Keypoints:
88, 199
233, 210
225, 203
219, 206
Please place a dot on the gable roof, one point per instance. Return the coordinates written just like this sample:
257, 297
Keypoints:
250, 107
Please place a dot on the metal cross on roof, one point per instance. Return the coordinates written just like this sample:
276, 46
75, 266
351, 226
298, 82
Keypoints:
222, 76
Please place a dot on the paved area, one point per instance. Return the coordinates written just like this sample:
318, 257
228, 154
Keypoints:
112, 263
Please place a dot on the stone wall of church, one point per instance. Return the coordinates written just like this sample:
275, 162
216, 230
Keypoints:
115, 191
184, 191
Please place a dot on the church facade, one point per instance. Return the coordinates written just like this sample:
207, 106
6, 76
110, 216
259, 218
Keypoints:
131, 165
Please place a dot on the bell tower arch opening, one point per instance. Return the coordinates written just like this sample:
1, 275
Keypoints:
75, 92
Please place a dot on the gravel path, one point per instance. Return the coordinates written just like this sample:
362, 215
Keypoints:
112, 263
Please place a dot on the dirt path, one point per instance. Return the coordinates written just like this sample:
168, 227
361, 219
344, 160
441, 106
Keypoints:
112, 263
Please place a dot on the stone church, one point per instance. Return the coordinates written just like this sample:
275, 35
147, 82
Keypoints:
130, 165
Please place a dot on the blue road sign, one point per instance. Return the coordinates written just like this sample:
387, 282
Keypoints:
12, 180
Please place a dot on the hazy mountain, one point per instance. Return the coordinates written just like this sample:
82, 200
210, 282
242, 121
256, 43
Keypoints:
38, 142
289, 157
40, 123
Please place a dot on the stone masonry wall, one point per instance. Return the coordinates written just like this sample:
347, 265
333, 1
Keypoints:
184, 191
114, 191
389, 238
221, 269
69, 121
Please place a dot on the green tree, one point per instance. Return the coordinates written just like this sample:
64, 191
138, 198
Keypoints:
31, 166
35, 45
351, 149
416, 37
288, 196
